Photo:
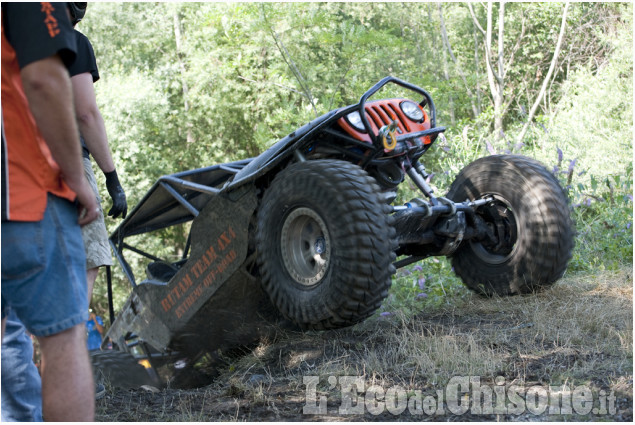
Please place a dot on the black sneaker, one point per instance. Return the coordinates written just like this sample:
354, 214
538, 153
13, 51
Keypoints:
100, 391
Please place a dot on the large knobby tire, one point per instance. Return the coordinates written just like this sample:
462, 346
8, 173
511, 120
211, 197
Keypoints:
530, 216
325, 244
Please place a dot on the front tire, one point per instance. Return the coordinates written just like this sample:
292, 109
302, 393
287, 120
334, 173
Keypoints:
530, 217
325, 244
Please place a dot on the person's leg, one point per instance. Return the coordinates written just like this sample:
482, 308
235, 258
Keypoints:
91, 277
67, 387
95, 236
21, 383
97, 248
44, 281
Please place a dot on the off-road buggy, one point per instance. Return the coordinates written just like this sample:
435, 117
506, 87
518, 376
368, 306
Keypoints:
305, 234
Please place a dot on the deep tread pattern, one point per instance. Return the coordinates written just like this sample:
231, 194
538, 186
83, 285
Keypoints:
362, 237
545, 237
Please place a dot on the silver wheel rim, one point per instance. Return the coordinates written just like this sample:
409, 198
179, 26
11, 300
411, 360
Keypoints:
306, 246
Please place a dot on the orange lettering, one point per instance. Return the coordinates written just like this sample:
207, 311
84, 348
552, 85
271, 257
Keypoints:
165, 304
50, 21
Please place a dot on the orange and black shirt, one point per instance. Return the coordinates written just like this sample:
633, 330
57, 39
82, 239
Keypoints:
30, 32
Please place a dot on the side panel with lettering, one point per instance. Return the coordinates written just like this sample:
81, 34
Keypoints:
219, 246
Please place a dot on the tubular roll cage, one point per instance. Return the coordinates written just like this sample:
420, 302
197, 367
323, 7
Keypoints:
173, 199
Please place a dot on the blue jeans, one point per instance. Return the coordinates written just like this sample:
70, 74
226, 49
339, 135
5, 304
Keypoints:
21, 383
44, 270
44, 286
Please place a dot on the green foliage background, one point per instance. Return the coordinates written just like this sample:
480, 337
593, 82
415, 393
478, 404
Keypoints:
186, 85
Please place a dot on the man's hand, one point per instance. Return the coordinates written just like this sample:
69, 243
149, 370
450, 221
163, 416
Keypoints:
88, 208
119, 203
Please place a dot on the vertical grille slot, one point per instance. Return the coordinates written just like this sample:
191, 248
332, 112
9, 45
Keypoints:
375, 120
401, 119
383, 115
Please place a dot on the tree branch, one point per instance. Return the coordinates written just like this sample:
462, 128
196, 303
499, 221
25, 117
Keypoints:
488, 38
517, 45
269, 82
289, 61
446, 42
476, 23
501, 45
547, 78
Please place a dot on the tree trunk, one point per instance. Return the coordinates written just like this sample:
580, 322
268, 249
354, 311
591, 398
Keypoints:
500, 82
495, 77
433, 39
545, 82
179, 58
446, 76
446, 42
479, 102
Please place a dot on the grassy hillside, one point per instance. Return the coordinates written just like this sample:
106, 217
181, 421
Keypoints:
578, 334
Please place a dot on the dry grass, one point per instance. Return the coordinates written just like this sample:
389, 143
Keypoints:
578, 333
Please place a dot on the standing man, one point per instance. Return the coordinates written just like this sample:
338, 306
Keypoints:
95, 328
21, 390
43, 261
94, 142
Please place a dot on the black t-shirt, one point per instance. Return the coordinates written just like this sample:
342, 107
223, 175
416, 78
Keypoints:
39, 30
85, 61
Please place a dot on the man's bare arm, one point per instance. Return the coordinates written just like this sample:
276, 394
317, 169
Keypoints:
48, 90
91, 123
92, 127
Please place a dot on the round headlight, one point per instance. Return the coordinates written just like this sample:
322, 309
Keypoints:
412, 110
356, 121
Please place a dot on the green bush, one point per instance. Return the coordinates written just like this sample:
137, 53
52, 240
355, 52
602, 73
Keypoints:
586, 142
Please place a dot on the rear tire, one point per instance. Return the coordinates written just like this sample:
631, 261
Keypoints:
325, 244
531, 217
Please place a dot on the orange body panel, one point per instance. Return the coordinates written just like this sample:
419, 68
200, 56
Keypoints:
384, 112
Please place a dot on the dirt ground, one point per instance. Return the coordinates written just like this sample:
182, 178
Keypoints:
562, 355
